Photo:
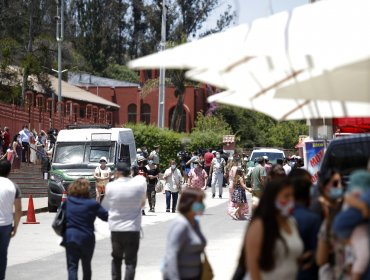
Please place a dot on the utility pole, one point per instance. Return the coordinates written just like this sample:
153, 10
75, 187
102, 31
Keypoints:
162, 71
59, 37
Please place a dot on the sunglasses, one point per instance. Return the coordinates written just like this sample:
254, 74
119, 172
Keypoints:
336, 183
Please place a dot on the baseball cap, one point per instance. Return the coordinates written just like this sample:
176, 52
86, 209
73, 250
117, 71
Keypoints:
138, 150
103, 159
359, 179
140, 158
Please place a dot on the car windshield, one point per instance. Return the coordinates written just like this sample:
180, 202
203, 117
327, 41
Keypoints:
273, 156
77, 153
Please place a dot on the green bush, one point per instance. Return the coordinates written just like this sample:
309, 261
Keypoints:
150, 135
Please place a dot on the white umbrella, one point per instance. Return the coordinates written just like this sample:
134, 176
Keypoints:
292, 109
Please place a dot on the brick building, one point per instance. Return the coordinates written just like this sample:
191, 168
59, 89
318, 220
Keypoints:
134, 107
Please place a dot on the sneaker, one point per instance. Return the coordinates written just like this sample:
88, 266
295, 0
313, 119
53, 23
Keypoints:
213, 195
143, 212
173, 211
220, 196
151, 210
167, 210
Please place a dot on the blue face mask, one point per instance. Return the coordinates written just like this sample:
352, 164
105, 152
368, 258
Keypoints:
198, 208
335, 193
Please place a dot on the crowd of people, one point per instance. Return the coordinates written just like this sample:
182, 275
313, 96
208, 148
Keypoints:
296, 229
25, 146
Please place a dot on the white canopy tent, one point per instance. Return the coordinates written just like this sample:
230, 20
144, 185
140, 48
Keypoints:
292, 109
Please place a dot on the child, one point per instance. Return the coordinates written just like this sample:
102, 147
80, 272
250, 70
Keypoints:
239, 197
9, 155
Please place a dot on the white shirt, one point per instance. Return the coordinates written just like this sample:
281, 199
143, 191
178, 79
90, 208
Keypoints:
123, 200
8, 193
25, 135
173, 180
287, 168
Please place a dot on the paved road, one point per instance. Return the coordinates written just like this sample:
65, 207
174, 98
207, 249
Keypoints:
35, 254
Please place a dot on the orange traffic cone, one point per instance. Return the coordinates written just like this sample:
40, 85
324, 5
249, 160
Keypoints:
31, 218
64, 196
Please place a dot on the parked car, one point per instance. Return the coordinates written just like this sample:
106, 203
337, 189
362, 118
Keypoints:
272, 154
347, 154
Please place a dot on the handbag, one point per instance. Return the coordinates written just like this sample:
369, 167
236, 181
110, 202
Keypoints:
207, 272
159, 187
60, 221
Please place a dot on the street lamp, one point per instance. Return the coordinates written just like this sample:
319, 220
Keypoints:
59, 37
162, 71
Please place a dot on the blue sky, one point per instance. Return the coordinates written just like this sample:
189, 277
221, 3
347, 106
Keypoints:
249, 10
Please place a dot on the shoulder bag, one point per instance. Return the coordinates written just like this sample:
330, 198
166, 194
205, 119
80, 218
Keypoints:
60, 221
207, 272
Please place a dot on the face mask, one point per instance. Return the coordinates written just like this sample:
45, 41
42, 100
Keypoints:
173, 166
198, 208
285, 209
150, 162
196, 165
335, 193
218, 156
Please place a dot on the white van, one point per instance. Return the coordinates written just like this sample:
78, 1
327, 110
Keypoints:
77, 153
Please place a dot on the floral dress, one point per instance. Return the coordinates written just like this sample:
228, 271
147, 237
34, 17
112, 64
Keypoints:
238, 195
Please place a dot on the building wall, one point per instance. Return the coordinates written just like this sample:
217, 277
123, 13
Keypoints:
195, 100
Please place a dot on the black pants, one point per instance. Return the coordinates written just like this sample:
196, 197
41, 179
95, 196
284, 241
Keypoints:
74, 254
26, 152
124, 243
151, 194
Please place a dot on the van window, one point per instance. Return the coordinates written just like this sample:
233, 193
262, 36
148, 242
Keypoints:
125, 154
69, 153
97, 152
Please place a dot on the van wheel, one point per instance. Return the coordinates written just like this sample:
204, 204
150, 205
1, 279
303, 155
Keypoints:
52, 208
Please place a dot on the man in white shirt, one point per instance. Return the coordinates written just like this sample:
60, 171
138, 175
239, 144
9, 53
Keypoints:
154, 155
172, 186
124, 199
10, 197
25, 139
287, 167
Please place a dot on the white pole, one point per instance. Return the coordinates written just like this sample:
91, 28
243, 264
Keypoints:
162, 71
60, 30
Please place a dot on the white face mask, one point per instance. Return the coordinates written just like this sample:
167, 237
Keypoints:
173, 166
218, 156
196, 165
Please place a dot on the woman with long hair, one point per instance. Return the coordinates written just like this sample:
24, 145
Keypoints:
17, 152
272, 244
79, 238
238, 195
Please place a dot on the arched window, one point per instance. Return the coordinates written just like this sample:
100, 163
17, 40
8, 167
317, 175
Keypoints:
131, 113
183, 119
145, 114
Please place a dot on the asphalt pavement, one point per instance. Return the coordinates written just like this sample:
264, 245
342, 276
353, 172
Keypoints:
35, 252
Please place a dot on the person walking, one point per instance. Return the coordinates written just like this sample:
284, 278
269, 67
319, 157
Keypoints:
25, 141
258, 177
79, 237
102, 175
6, 137
17, 153
172, 187
124, 198
238, 195
10, 198
272, 245
217, 172
154, 155
185, 240
153, 177
197, 177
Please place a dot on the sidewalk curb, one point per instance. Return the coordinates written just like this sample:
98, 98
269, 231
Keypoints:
37, 211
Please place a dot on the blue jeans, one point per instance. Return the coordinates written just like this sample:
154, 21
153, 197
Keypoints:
74, 254
5, 232
175, 196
